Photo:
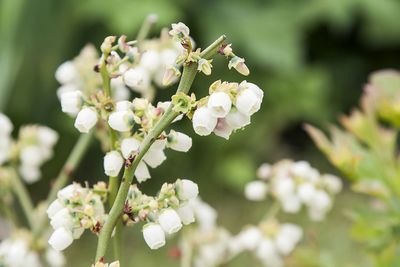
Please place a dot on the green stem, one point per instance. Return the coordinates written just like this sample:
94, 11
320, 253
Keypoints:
184, 86
24, 199
69, 167
146, 27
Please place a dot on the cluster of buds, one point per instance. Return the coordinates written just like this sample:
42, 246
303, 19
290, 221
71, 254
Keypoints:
16, 251
76, 208
114, 160
270, 241
294, 184
33, 147
228, 107
165, 214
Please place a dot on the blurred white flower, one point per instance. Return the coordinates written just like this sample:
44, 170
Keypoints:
86, 119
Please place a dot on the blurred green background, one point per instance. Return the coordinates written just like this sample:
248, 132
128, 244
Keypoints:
311, 57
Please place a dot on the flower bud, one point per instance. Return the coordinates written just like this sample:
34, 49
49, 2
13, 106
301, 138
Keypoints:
54, 207
60, 239
203, 121
71, 102
256, 190
66, 73
239, 65
179, 141
227, 50
113, 162
186, 214
86, 120
247, 102
236, 119
121, 121
179, 30
169, 221
170, 75
187, 189
219, 104
153, 235
204, 66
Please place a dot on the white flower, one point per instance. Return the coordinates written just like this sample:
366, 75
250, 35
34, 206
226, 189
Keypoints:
6, 126
70, 87
121, 121
46, 136
170, 221
169, 56
66, 73
30, 173
54, 207
219, 104
154, 235
67, 192
284, 187
254, 88
55, 258
291, 203
247, 102
155, 155
71, 102
123, 105
206, 215
129, 145
142, 172
113, 162
264, 171
223, 129
321, 201
250, 237
31, 155
203, 121
86, 120
236, 119
60, 239
150, 60
179, 141
186, 214
238, 64
187, 189
332, 183
61, 219
287, 238
204, 66
306, 192
256, 190
179, 30
137, 78
268, 253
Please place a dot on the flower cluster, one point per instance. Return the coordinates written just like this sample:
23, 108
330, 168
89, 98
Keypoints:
33, 147
270, 241
114, 160
165, 214
228, 107
295, 184
76, 208
17, 252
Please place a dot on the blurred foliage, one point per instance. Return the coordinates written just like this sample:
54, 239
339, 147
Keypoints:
310, 57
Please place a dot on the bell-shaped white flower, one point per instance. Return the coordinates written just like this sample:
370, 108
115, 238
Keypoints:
186, 214
155, 155
168, 56
187, 189
236, 119
46, 136
142, 172
150, 60
256, 190
6, 126
129, 145
61, 219
219, 104
136, 78
123, 105
203, 121
86, 119
291, 203
71, 102
67, 192
54, 207
55, 258
67, 73
255, 89
31, 155
60, 239
121, 121
170, 221
30, 173
154, 235
250, 237
223, 129
247, 102
179, 141
113, 162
